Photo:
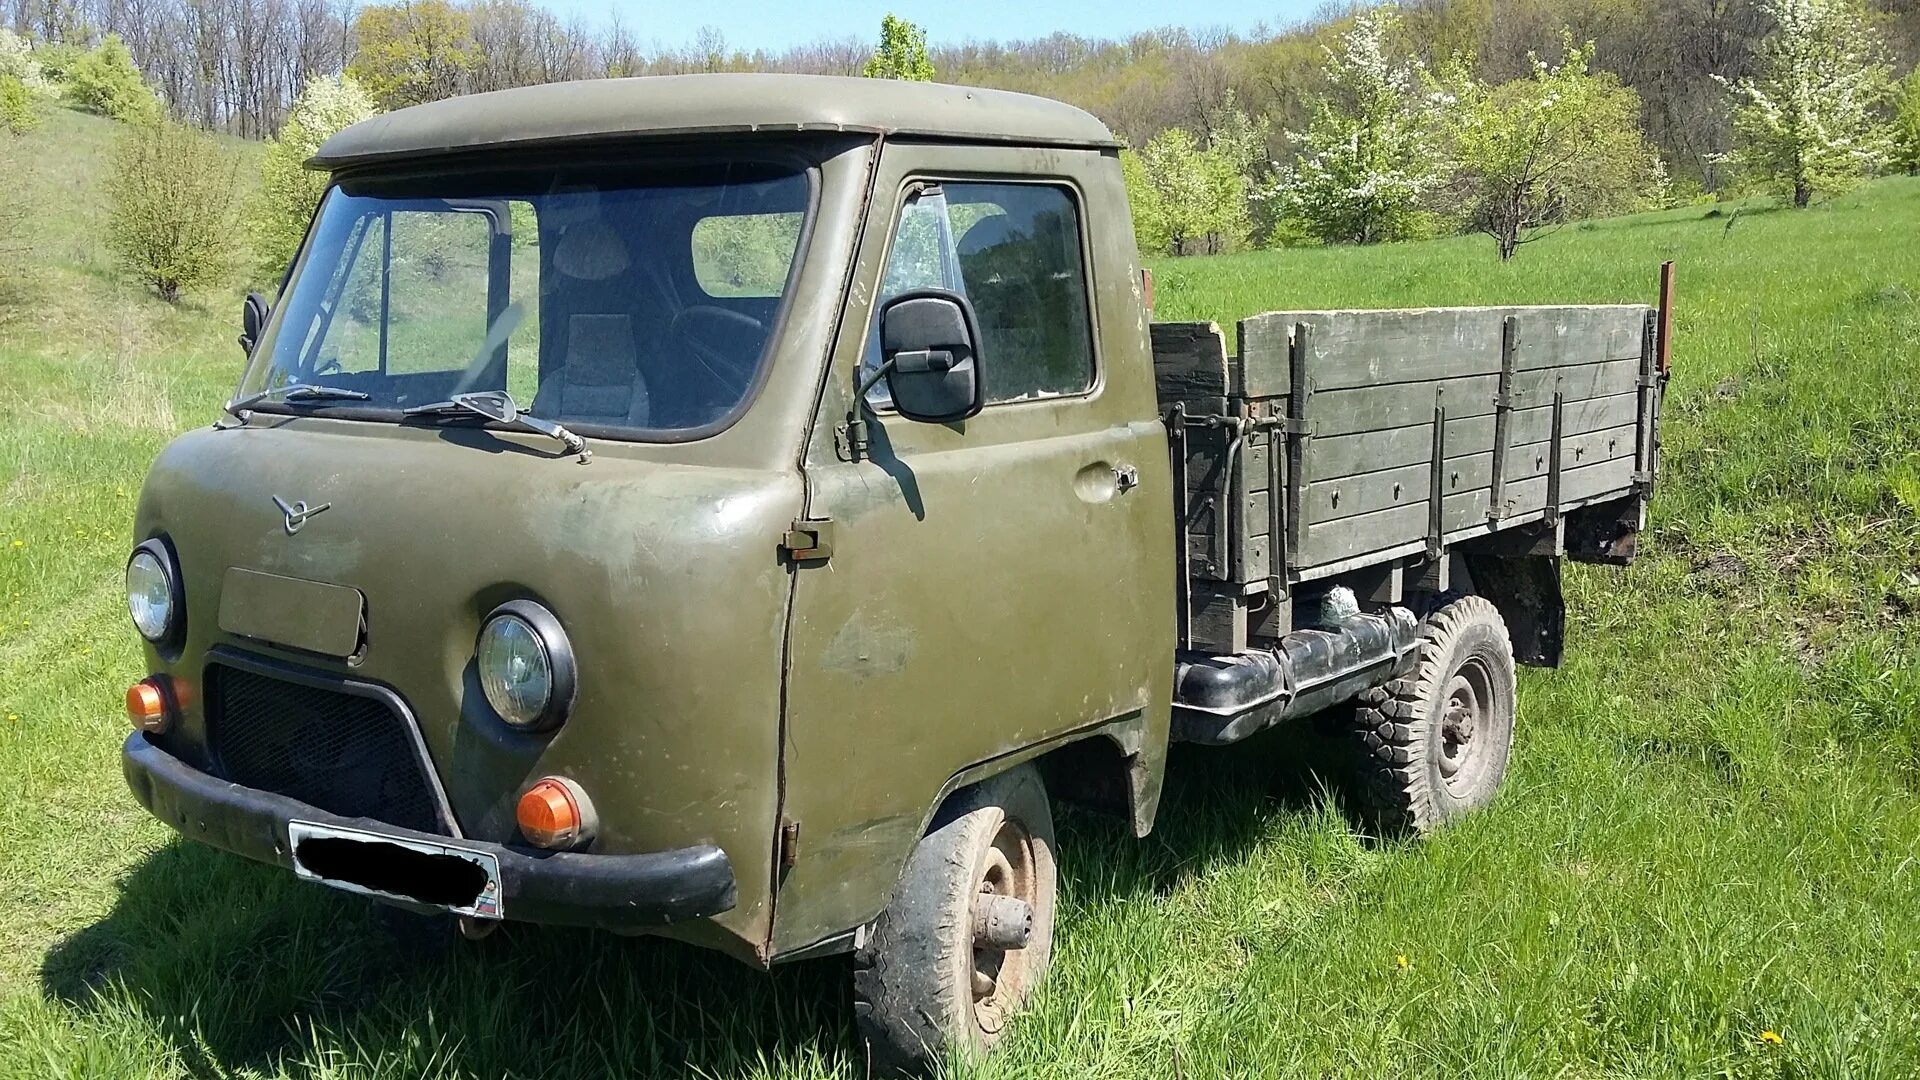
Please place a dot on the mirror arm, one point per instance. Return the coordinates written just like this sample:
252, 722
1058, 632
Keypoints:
867, 384
856, 428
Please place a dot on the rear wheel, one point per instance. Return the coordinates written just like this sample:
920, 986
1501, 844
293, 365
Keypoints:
1436, 743
969, 932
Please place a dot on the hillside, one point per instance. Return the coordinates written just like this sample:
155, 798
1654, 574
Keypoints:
1710, 833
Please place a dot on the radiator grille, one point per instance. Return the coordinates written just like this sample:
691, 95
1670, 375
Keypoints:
346, 754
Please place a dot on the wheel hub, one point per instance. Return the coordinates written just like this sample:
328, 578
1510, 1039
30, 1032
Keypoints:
1002, 925
1464, 715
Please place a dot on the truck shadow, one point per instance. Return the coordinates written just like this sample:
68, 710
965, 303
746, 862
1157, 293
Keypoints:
239, 967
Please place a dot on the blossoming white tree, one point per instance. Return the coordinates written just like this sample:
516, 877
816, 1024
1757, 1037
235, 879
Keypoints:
289, 191
1811, 122
1370, 152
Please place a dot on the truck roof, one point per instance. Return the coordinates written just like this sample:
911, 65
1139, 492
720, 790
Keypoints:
709, 104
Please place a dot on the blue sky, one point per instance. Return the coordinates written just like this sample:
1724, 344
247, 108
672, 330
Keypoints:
775, 24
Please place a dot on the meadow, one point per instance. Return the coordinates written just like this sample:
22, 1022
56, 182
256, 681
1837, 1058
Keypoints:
1706, 861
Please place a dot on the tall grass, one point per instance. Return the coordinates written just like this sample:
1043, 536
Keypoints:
1711, 832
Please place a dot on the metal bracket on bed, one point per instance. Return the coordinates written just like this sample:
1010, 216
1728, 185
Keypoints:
1299, 434
1436, 484
1503, 419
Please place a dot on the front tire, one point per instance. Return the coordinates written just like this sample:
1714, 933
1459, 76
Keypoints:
1436, 743
942, 967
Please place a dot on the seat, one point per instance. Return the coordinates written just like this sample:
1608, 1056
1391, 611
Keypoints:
600, 382
599, 379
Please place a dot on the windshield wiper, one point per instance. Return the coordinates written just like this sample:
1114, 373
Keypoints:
293, 392
498, 406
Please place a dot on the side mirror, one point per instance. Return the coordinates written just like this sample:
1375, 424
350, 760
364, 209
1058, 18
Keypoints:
929, 352
253, 319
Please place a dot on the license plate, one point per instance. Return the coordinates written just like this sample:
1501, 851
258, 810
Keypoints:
445, 876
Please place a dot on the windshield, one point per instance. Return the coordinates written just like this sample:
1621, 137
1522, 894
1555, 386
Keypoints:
614, 302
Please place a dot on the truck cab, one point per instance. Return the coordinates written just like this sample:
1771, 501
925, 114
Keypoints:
736, 508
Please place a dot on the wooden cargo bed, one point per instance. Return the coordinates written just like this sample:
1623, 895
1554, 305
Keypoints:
1388, 438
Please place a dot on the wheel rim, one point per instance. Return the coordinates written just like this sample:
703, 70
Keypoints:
1466, 724
1000, 977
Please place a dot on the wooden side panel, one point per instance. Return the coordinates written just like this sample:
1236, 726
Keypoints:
1562, 336
1190, 365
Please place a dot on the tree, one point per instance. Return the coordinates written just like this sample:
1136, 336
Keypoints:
413, 51
171, 192
289, 191
902, 53
1563, 144
1185, 198
1242, 141
1809, 122
1368, 156
104, 80
1906, 124
18, 62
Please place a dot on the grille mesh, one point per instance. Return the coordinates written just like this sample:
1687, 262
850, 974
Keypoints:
343, 753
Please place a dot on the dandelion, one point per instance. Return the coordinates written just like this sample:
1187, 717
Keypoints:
1401, 962
12, 716
19, 543
1771, 1038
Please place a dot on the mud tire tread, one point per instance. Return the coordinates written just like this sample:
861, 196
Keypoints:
1395, 724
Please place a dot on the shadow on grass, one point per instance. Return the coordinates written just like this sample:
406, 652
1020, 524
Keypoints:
240, 967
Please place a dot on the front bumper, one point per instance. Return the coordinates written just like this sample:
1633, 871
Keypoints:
614, 892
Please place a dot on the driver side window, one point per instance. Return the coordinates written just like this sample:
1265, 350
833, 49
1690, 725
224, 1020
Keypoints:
1013, 250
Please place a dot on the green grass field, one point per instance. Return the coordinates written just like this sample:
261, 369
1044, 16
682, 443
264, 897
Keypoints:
1712, 829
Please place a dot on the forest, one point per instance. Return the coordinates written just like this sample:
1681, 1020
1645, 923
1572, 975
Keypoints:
1360, 124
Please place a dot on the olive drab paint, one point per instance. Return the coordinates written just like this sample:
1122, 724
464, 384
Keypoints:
796, 632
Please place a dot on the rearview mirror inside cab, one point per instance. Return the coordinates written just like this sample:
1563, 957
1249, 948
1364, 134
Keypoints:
253, 319
929, 353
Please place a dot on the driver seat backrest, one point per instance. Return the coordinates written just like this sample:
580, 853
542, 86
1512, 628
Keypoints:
600, 381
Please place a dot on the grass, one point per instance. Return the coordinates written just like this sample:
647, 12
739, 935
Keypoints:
1711, 832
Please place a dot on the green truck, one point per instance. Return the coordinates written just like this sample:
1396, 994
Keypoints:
741, 507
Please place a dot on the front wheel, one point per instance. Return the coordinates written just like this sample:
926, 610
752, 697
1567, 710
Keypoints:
1435, 743
969, 932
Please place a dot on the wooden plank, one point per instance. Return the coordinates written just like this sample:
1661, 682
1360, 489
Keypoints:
1378, 408
1560, 336
1535, 425
1265, 344
1376, 348
1587, 448
1348, 496
1190, 365
1578, 383
1576, 485
1332, 457
1361, 534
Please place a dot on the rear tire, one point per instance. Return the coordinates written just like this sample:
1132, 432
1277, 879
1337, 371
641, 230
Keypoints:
931, 976
1435, 744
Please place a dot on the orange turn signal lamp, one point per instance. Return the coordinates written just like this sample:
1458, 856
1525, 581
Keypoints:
150, 704
554, 813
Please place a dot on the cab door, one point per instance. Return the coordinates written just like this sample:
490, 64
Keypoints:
991, 583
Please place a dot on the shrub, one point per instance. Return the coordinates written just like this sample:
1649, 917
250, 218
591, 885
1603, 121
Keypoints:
17, 115
172, 194
288, 190
104, 80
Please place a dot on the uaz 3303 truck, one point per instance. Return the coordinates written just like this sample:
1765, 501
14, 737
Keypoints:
742, 507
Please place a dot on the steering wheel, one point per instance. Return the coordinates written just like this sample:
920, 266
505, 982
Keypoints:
722, 365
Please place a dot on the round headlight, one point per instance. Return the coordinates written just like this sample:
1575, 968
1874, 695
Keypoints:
152, 591
525, 665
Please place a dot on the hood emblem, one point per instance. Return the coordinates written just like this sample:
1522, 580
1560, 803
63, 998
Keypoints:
297, 513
